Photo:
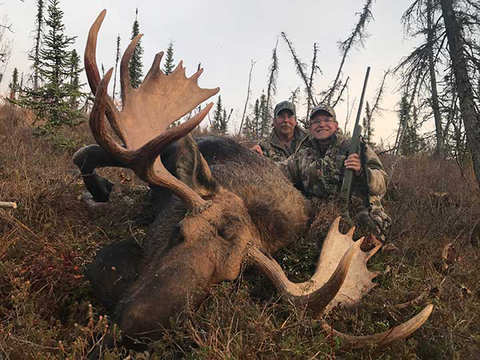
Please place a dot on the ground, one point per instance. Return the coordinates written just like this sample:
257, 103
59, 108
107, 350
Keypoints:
47, 311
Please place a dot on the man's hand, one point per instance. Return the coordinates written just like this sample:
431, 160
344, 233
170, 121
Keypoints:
257, 149
353, 163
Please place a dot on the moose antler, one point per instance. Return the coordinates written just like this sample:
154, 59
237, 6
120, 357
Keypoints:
151, 109
341, 277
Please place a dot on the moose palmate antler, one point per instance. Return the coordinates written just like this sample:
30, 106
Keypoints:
341, 277
151, 109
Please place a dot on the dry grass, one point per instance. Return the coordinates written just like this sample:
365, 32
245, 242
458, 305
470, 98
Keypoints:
45, 310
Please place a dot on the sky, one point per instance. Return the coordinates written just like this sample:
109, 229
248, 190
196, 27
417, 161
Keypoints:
226, 36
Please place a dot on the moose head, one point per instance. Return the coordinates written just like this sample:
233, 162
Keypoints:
225, 213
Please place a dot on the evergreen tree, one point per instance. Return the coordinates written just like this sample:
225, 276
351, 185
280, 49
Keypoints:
169, 64
35, 52
117, 60
256, 119
367, 124
218, 116
264, 112
52, 100
410, 142
248, 129
75, 86
136, 66
223, 124
13, 86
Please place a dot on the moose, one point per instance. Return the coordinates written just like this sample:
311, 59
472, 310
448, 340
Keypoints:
220, 206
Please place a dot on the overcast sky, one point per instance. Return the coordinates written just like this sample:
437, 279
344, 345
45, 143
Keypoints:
225, 36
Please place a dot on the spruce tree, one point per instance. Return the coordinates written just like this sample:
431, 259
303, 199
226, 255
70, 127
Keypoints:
169, 64
217, 116
51, 101
410, 142
256, 119
35, 52
264, 112
248, 129
136, 66
75, 86
13, 86
367, 124
117, 60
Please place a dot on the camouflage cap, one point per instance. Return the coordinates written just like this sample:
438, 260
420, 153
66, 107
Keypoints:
284, 105
326, 108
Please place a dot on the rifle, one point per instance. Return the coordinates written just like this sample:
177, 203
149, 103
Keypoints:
346, 189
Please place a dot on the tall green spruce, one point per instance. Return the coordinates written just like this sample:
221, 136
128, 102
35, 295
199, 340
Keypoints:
169, 62
13, 86
35, 52
59, 70
136, 66
117, 60
367, 125
411, 142
75, 93
220, 119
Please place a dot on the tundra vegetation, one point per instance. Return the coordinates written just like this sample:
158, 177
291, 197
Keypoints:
48, 312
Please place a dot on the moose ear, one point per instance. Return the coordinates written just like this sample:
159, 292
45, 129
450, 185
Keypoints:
192, 168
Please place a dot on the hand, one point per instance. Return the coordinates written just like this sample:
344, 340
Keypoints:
353, 163
257, 149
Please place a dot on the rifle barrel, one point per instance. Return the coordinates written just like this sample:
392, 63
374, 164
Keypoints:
348, 179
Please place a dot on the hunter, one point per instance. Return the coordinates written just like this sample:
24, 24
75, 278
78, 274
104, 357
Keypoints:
317, 170
286, 135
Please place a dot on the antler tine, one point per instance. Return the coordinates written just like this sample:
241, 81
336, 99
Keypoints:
308, 293
155, 68
90, 61
93, 75
125, 85
98, 126
383, 339
179, 68
158, 175
197, 74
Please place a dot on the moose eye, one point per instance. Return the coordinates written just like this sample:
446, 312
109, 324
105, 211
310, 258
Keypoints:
222, 232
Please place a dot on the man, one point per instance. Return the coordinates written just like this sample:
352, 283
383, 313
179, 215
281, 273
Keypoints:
318, 165
286, 135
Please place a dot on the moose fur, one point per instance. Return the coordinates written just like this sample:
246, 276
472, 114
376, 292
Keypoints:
169, 269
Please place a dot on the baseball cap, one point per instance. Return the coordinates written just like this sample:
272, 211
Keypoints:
282, 106
326, 108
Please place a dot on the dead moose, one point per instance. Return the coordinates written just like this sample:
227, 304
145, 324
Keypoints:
221, 206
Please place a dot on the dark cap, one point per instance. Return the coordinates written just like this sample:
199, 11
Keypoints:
284, 105
325, 108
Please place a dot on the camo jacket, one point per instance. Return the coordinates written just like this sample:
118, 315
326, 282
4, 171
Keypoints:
319, 172
275, 150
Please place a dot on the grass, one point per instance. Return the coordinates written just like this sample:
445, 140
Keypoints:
47, 312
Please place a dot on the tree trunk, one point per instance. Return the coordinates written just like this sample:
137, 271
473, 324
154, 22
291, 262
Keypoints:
433, 82
470, 115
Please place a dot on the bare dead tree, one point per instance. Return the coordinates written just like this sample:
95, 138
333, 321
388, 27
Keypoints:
313, 71
469, 109
431, 38
301, 69
340, 95
252, 63
5, 46
117, 60
271, 87
357, 37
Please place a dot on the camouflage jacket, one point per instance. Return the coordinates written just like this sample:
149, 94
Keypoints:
318, 172
275, 150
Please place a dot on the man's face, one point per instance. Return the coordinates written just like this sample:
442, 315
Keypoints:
285, 122
322, 126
